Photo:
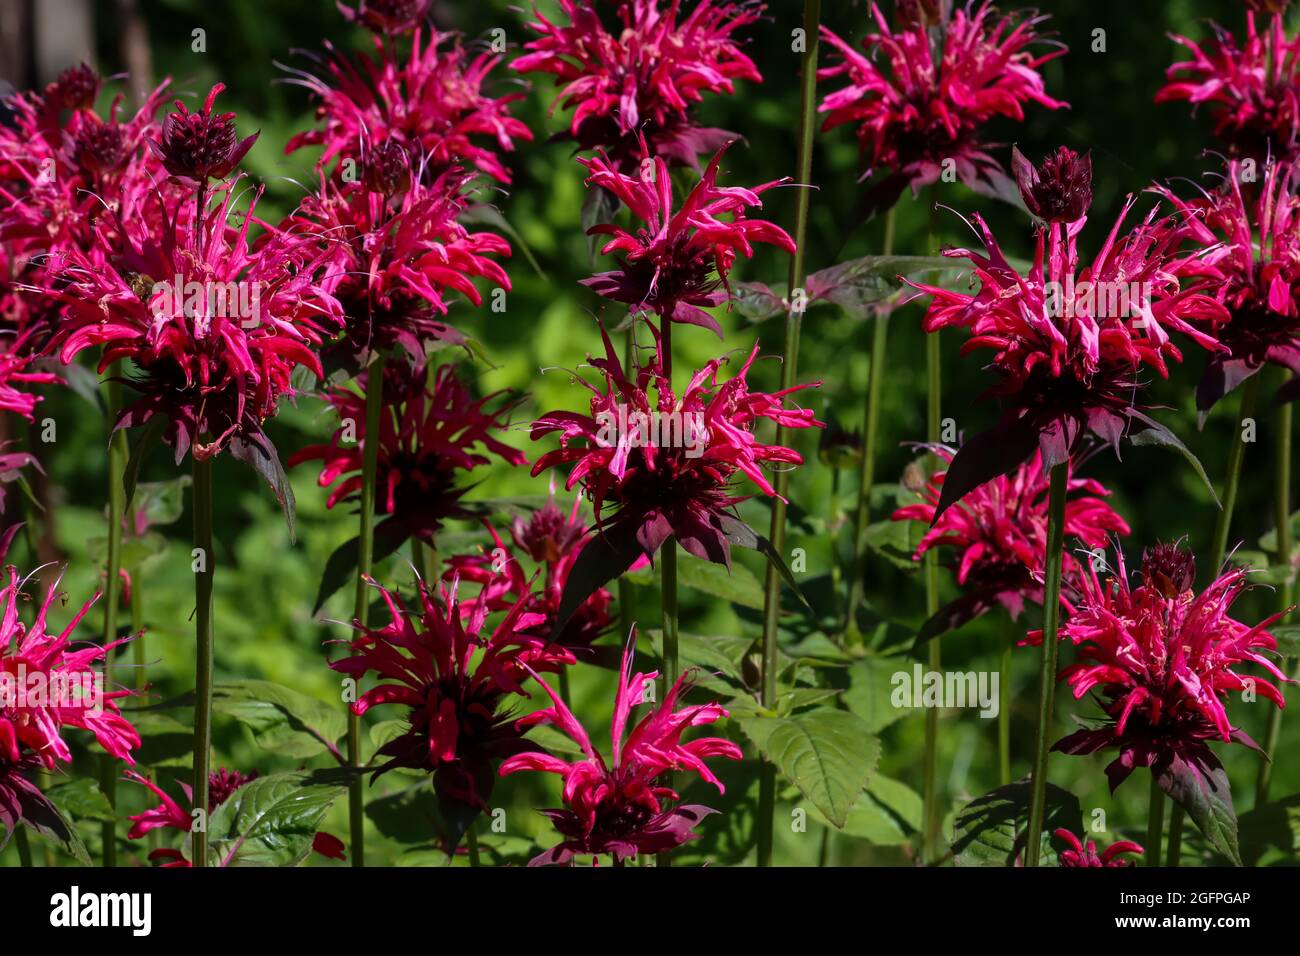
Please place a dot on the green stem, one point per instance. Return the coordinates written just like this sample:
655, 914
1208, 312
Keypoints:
833, 526
361, 606
812, 13
1004, 701
471, 841
203, 654
672, 666
1060, 475
1155, 824
117, 455
1176, 818
24, 846
931, 817
1282, 517
870, 443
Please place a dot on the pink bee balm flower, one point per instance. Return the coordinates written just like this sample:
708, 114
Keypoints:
1164, 662
915, 106
196, 147
661, 482
1069, 343
16, 357
170, 815
433, 104
622, 809
678, 261
642, 78
215, 325
427, 440
1251, 234
456, 680
49, 686
1252, 90
1080, 854
999, 531
399, 257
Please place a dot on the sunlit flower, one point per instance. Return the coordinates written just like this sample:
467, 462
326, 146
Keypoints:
1252, 91
1164, 663
456, 680
51, 685
642, 77
398, 258
196, 147
678, 261
1081, 854
428, 439
1251, 234
214, 325
621, 808
999, 533
668, 466
433, 103
913, 114
170, 815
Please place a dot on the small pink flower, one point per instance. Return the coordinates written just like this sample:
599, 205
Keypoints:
1252, 91
641, 79
678, 261
621, 808
432, 103
1080, 854
915, 107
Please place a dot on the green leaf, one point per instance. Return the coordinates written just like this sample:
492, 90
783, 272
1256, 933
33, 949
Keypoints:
861, 286
1274, 826
739, 587
270, 821
990, 830
828, 754
1204, 792
870, 688
410, 816
145, 440
283, 720
254, 449
1288, 639
49, 822
1157, 434
742, 535
888, 814
81, 799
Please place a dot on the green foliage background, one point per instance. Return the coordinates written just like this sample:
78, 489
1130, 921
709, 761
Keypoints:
265, 583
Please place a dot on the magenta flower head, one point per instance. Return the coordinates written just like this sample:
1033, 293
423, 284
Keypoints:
196, 147
433, 103
999, 535
170, 815
641, 78
399, 257
16, 376
678, 262
1069, 344
1252, 91
915, 106
1163, 662
392, 17
455, 679
668, 466
1251, 234
77, 87
214, 324
428, 438
1057, 190
1078, 853
622, 809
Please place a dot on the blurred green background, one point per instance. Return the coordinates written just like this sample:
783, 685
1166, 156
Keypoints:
265, 583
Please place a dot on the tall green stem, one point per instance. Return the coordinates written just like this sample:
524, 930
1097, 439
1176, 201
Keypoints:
870, 443
812, 13
931, 816
1219, 550
117, 455
1004, 701
1282, 517
1155, 824
361, 606
1060, 474
672, 665
24, 846
203, 654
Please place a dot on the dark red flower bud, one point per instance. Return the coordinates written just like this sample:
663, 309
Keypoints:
1059, 189
1169, 569
549, 534
389, 16
77, 87
99, 147
1268, 6
388, 169
200, 146
923, 13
